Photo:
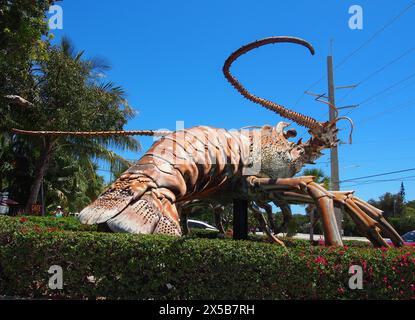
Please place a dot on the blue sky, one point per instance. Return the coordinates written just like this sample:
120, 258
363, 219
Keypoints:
168, 56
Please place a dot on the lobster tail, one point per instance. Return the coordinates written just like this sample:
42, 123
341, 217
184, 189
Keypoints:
299, 118
134, 207
147, 215
114, 201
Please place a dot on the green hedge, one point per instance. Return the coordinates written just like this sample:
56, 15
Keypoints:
403, 224
61, 223
126, 266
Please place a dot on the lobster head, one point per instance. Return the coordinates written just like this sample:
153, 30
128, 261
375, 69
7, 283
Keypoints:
324, 135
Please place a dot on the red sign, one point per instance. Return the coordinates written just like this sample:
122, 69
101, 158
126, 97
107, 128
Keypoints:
36, 209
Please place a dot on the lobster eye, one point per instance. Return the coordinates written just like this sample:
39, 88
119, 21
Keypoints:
291, 133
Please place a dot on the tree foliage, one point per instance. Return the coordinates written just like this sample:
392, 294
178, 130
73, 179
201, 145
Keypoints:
62, 90
22, 25
391, 204
319, 175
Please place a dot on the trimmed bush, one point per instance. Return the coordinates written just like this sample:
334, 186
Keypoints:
61, 223
403, 224
125, 266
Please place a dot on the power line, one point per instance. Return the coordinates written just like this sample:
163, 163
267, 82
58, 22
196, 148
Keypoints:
407, 178
379, 70
383, 141
386, 180
391, 93
377, 33
378, 175
380, 93
309, 88
385, 111
387, 88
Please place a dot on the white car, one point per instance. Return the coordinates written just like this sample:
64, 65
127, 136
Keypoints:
196, 224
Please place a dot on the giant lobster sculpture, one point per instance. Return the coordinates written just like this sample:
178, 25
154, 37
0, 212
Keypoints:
215, 165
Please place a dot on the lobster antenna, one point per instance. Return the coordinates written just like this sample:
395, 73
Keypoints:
336, 111
156, 133
299, 118
351, 126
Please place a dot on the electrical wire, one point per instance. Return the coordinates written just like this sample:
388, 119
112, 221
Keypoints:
377, 175
350, 55
376, 72
363, 183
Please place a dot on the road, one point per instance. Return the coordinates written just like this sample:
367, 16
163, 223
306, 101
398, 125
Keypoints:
306, 236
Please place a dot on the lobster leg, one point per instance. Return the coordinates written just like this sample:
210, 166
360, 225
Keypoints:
306, 185
325, 205
218, 210
368, 219
268, 209
377, 215
264, 226
286, 214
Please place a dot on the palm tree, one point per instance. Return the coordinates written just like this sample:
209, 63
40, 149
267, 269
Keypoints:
320, 176
70, 94
71, 183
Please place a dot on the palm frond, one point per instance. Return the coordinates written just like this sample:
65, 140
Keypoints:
67, 47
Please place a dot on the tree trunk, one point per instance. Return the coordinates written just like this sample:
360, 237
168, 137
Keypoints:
40, 171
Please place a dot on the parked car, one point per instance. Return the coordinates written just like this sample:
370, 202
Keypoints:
408, 239
196, 224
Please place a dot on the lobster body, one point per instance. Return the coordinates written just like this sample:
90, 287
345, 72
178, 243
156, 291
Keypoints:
194, 164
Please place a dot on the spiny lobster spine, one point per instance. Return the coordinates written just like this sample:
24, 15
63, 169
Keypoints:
299, 118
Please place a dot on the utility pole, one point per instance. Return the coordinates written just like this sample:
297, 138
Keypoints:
334, 156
